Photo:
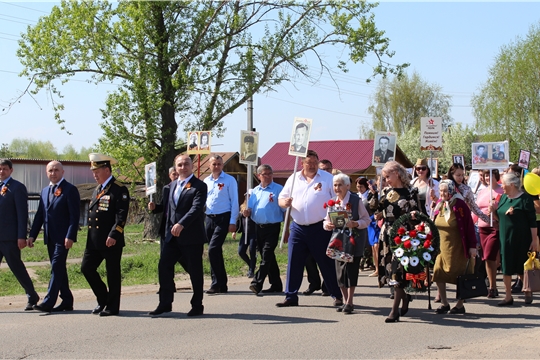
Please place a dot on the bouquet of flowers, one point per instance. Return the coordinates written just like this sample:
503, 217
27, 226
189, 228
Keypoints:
414, 247
342, 243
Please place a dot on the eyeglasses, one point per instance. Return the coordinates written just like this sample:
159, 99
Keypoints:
421, 168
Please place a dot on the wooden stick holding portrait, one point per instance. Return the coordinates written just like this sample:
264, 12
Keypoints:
298, 147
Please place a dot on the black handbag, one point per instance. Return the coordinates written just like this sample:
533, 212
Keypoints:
470, 285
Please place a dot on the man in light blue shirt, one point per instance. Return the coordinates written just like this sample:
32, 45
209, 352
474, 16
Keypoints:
264, 210
221, 213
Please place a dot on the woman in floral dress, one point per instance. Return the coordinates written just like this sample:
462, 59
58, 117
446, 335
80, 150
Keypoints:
397, 199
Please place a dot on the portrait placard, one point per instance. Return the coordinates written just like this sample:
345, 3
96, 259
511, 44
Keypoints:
249, 145
150, 178
489, 155
384, 148
524, 158
300, 137
338, 218
458, 159
198, 142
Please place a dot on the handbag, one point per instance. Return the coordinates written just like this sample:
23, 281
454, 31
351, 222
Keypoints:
531, 273
470, 285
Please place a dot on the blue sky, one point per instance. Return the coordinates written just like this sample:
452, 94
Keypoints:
452, 44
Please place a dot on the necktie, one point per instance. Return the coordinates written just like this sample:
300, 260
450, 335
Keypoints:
177, 191
51, 193
1, 184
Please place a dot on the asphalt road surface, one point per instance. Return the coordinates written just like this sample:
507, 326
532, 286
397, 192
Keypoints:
241, 325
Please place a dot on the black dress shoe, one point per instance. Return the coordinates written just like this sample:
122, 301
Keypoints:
108, 313
160, 310
287, 303
30, 306
310, 291
98, 309
196, 311
443, 309
217, 291
254, 289
456, 310
272, 290
391, 320
42, 308
62, 307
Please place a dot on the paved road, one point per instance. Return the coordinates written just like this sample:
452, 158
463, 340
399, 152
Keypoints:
242, 325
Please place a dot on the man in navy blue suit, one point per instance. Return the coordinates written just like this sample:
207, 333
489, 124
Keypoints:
184, 237
13, 219
58, 213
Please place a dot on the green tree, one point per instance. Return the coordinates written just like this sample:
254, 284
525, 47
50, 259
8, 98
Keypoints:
33, 149
507, 106
398, 104
189, 64
69, 153
5, 152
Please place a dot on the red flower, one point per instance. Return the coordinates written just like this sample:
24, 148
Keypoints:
412, 233
401, 231
407, 244
325, 206
421, 227
429, 236
427, 244
336, 244
338, 201
397, 240
331, 202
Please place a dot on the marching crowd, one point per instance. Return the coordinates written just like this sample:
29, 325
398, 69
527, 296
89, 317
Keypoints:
495, 223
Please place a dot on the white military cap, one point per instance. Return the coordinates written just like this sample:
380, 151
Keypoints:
99, 160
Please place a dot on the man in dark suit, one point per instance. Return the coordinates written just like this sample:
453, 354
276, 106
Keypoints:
107, 215
382, 154
184, 237
13, 219
58, 213
162, 208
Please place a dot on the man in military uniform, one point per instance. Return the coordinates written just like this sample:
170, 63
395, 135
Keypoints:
107, 217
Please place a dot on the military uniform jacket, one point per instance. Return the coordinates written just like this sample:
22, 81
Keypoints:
107, 215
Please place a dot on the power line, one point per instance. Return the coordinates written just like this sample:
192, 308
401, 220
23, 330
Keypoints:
24, 7
317, 108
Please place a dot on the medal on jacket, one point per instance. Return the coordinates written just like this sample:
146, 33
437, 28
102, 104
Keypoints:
104, 202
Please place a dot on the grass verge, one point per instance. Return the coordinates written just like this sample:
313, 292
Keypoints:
139, 264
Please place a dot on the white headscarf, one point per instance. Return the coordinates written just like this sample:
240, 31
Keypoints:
453, 194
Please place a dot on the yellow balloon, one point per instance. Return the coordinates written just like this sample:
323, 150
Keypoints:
532, 183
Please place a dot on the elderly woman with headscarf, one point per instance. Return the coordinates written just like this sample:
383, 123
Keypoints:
347, 272
457, 243
397, 199
517, 232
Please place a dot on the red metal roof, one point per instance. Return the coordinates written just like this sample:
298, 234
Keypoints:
349, 156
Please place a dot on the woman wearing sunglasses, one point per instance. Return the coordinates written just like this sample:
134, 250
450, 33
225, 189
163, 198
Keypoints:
428, 188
